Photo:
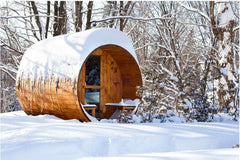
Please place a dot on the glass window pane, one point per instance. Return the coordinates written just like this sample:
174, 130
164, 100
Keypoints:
92, 97
93, 71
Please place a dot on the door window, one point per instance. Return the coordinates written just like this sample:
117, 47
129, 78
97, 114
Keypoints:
92, 77
93, 71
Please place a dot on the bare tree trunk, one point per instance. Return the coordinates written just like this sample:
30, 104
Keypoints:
112, 13
60, 19
48, 18
224, 35
89, 15
37, 19
121, 14
32, 27
78, 16
128, 10
1, 84
55, 23
123, 11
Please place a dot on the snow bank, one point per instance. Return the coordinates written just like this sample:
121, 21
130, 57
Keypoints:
47, 137
216, 154
62, 56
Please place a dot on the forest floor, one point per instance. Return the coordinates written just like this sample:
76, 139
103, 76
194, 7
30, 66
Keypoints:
47, 137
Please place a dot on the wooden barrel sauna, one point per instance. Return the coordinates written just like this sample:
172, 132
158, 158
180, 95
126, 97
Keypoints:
61, 75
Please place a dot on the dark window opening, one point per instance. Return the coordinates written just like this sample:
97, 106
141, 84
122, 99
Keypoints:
93, 71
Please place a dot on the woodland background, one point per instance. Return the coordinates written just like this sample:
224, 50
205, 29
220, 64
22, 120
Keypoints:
188, 51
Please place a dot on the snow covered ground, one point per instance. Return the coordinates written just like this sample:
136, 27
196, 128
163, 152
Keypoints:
46, 137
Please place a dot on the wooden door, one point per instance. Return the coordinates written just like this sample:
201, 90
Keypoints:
109, 86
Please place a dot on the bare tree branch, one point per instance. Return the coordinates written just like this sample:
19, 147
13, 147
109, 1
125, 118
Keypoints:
195, 10
27, 16
132, 18
8, 46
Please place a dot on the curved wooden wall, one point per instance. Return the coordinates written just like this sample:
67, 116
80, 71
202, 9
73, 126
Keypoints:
63, 98
43, 97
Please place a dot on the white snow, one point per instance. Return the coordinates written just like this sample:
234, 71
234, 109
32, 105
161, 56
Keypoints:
63, 56
163, 108
188, 104
225, 51
223, 71
225, 14
178, 66
166, 70
46, 137
174, 78
212, 154
125, 102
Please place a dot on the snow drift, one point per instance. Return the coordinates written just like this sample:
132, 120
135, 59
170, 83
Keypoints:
46, 137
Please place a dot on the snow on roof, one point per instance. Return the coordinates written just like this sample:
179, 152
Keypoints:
63, 56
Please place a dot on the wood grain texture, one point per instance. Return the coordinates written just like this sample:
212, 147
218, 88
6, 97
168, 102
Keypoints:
119, 77
44, 98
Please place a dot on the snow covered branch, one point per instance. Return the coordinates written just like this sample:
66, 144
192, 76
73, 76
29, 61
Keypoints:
5, 45
6, 71
236, 28
27, 16
130, 17
7, 68
195, 10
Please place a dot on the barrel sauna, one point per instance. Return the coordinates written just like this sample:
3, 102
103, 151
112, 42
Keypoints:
61, 75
